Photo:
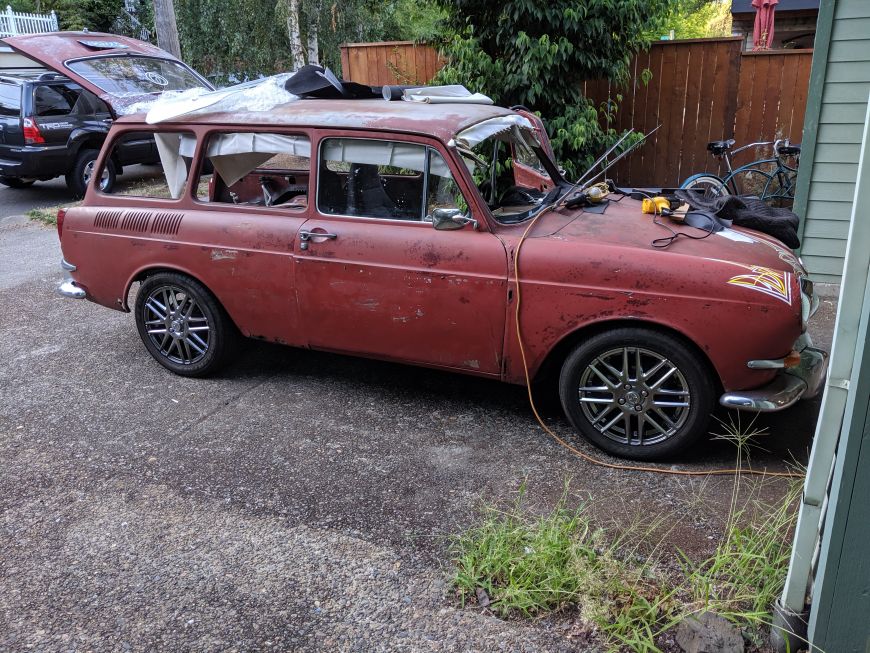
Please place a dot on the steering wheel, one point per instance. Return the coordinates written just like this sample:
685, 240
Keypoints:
517, 195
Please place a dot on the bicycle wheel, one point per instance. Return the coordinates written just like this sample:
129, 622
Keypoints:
711, 185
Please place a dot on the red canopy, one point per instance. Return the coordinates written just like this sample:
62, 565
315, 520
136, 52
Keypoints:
762, 34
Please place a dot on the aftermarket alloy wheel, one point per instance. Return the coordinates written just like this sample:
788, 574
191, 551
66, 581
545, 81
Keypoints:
637, 393
182, 325
83, 171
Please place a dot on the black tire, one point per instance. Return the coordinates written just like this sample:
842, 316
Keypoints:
184, 347
16, 182
78, 178
666, 429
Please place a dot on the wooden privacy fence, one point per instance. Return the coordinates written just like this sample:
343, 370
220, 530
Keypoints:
389, 62
699, 90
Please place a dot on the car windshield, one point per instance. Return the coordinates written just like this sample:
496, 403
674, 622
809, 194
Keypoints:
509, 175
136, 75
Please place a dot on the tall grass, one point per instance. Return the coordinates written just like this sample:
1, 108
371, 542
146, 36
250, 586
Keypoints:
622, 583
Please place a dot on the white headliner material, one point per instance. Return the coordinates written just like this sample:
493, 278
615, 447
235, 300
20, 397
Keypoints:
387, 153
503, 126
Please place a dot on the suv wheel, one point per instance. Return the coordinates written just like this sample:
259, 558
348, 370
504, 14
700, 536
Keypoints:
79, 177
183, 326
637, 393
16, 182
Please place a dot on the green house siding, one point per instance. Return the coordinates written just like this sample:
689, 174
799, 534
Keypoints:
837, 104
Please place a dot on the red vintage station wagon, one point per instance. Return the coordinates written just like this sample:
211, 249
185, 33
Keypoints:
439, 235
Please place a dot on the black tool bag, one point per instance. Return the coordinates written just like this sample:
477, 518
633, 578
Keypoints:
749, 212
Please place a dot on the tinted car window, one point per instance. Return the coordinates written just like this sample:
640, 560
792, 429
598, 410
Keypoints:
10, 99
136, 75
66, 99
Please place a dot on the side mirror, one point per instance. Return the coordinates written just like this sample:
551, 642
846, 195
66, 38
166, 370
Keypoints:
451, 219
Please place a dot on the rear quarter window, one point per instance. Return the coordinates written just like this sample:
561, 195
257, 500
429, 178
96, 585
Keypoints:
10, 100
66, 100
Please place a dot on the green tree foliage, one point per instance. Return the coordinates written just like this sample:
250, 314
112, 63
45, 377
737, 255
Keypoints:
538, 54
695, 19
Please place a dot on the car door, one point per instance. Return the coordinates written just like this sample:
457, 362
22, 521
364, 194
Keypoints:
375, 278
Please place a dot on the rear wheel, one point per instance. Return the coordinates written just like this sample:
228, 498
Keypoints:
16, 182
637, 393
709, 185
183, 326
84, 169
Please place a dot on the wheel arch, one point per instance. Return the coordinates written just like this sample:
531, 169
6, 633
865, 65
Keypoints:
149, 271
549, 369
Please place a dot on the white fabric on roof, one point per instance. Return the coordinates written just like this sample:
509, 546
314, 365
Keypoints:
450, 94
509, 127
387, 153
258, 95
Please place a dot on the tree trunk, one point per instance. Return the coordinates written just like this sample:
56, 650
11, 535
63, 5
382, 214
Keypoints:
297, 52
313, 29
167, 30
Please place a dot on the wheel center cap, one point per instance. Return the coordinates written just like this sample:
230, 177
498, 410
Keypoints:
632, 397
176, 327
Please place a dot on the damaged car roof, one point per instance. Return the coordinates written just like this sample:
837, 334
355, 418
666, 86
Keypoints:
440, 120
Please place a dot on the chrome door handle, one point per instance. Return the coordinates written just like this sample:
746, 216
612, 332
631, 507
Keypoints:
305, 237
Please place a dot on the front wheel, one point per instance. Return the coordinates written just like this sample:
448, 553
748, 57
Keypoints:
637, 393
710, 185
183, 326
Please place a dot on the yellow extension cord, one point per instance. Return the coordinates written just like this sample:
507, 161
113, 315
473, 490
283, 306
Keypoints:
587, 457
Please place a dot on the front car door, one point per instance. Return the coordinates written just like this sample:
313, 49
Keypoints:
375, 278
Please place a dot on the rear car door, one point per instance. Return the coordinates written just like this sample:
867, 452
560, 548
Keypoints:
375, 278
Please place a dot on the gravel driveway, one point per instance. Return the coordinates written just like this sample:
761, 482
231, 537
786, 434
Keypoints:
301, 501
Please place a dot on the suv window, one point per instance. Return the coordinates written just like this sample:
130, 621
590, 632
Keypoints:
371, 178
10, 99
64, 100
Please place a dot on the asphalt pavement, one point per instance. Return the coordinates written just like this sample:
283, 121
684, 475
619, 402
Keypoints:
299, 501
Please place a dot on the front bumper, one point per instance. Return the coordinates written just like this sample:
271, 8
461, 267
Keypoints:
800, 382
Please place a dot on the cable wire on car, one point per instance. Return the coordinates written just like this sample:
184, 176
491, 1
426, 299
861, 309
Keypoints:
574, 450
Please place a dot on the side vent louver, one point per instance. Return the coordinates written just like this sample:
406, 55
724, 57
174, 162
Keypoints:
166, 223
107, 219
136, 221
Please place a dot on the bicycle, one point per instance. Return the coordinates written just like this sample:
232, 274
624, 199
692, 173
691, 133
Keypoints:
777, 186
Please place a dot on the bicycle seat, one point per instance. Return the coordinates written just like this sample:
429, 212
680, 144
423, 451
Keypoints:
718, 147
790, 150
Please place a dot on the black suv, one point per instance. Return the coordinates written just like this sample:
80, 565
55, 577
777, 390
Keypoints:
51, 126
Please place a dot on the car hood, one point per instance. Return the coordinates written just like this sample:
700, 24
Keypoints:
109, 65
622, 224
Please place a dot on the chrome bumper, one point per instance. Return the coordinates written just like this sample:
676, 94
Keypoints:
801, 382
68, 287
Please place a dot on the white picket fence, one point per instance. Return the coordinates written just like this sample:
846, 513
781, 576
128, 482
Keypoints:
13, 23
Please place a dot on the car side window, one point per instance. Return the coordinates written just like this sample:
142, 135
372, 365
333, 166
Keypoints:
371, 178
66, 100
256, 169
442, 190
10, 99
173, 151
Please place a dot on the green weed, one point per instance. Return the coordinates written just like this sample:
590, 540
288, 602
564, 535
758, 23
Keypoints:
622, 583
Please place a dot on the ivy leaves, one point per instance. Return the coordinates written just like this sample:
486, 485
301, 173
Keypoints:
539, 54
